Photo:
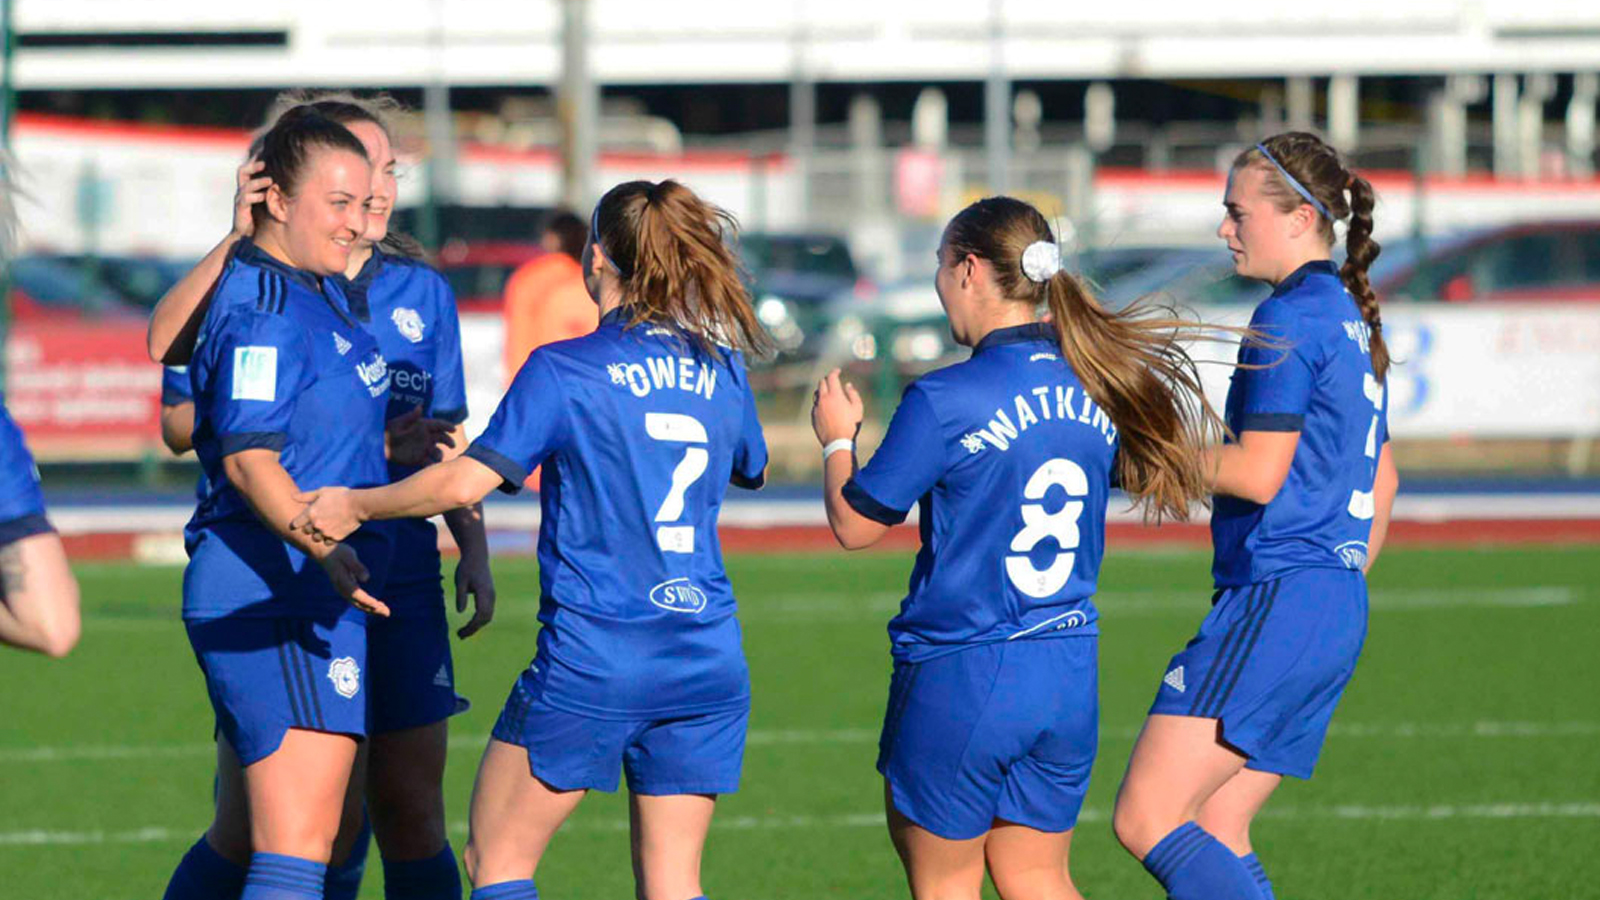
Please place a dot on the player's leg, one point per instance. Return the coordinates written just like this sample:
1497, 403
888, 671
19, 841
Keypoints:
936, 868
512, 819
406, 802
1228, 813
676, 769
410, 709
216, 865
348, 863
668, 838
1043, 787
296, 797
1029, 864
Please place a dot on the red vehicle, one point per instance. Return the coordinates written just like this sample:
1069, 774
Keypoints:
1537, 261
478, 271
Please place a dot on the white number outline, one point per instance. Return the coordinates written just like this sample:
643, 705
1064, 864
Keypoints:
1037, 524
1362, 504
678, 428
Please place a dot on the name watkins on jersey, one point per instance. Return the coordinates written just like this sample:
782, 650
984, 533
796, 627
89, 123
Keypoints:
661, 372
1054, 402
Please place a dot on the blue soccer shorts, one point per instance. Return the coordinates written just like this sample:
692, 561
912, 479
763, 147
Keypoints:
268, 675
1270, 663
693, 754
1003, 731
413, 678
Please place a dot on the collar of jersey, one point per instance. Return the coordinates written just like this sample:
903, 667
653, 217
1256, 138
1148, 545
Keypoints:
1314, 267
357, 288
250, 254
618, 316
1015, 334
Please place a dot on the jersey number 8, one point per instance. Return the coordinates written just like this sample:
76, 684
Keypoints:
1038, 525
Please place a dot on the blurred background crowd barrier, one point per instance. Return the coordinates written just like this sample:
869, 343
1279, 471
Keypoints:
842, 136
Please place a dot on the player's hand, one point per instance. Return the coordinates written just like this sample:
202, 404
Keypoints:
330, 515
473, 577
836, 409
347, 573
411, 440
252, 190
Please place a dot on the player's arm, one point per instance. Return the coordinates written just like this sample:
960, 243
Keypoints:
38, 596
334, 512
1255, 468
1384, 488
175, 321
177, 427
259, 476
836, 415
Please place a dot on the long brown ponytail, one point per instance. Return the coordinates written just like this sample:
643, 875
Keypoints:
1131, 362
672, 252
1318, 168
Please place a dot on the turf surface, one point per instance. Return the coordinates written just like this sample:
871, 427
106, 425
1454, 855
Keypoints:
1465, 761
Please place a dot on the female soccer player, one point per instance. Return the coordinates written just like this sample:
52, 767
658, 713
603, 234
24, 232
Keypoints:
1011, 456
38, 595
410, 310
639, 426
1303, 500
289, 392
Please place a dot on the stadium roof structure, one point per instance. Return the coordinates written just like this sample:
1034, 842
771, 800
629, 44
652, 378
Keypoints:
89, 44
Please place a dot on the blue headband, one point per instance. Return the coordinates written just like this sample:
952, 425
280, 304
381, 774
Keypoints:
594, 238
1298, 187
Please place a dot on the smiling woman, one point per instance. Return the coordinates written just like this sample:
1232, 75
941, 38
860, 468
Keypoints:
289, 392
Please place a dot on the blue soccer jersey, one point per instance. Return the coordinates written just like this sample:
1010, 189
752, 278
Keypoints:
1317, 380
175, 387
1011, 463
409, 308
21, 501
279, 365
639, 434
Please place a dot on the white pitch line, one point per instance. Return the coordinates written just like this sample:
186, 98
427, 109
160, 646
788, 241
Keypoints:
39, 837
846, 736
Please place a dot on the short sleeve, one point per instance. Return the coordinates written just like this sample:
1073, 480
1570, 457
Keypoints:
907, 465
1383, 415
1277, 391
21, 501
750, 456
175, 387
530, 423
262, 365
449, 378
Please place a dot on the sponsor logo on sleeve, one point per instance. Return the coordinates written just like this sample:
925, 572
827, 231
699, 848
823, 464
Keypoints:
255, 373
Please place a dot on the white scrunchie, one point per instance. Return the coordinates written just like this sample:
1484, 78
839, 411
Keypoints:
1041, 261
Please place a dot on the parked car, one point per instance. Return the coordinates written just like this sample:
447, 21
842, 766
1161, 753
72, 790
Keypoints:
794, 278
1539, 261
62, 287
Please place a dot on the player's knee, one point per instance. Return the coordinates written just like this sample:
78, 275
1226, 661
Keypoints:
1137, 826
1231, 829
408, 819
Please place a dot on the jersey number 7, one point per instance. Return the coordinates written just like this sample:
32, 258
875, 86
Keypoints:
678, 428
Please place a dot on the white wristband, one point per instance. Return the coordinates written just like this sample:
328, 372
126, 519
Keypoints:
833, 447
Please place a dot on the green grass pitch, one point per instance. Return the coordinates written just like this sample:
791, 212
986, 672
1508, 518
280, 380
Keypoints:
1465, 761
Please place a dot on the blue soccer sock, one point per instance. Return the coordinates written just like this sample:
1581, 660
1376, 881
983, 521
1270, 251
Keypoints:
204, 874
343, 882
433, 878
1259, 873
1193, 865
507, 890
274, 876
